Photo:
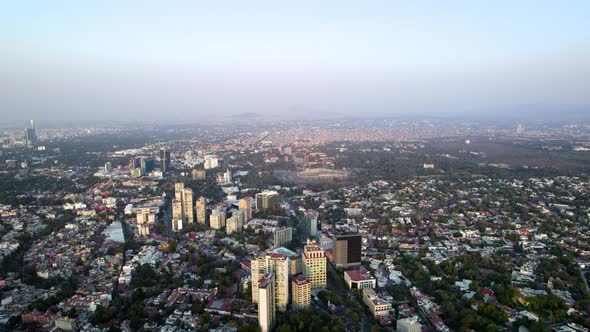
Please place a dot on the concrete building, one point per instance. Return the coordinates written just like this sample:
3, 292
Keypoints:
176, 215
265, 294
235, 223
359, 278
294, 260
311, 222
201, 207
108, 167
267, 200
245, 204
411, 324
198, 175
278, 265
211, 162
301, 293
217, 218
184, 211
377, 305
187, 206
282, 236
315, 265
347, 250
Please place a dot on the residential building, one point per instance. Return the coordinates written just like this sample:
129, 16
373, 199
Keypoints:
245, 204
266, 301
301, 292
217, 218
282, 236
267, 200
201, 207
278, 264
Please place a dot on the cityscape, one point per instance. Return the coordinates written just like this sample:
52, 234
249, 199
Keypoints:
405, 226
308, 166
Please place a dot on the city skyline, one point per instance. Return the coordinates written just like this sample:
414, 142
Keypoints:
193, 62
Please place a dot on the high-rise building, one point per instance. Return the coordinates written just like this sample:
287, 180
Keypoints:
201, 207
176, 209
108, 167
282, 236
217, 218
185, 197
246, 205
147, 165
315, 264
278, 264
311, 221
211, 162
235, 223
164, 160
144, 219
347, 250
301, 293
187, 206
265, 294
31, 134
267, 200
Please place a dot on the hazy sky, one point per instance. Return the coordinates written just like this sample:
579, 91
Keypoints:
184, 61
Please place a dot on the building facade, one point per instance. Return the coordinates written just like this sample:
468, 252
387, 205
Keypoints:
315, 265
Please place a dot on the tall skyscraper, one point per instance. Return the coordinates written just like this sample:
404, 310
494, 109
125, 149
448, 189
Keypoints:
347, 250
267, 200
246, 205
31, 134
301, 293
164, 160
278, 264
265, 294
315, 265
201, 207
176, 215
185, 197
108, 167
147, 165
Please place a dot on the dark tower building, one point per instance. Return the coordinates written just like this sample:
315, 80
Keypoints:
164, 160
347, 250
31, 135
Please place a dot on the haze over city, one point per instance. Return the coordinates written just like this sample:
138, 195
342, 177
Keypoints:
193, 62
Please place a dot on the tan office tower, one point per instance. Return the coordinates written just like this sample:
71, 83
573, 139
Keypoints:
301, 289
246, 205
187, 206
315, 264
266, 302
201, 208
278, 264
